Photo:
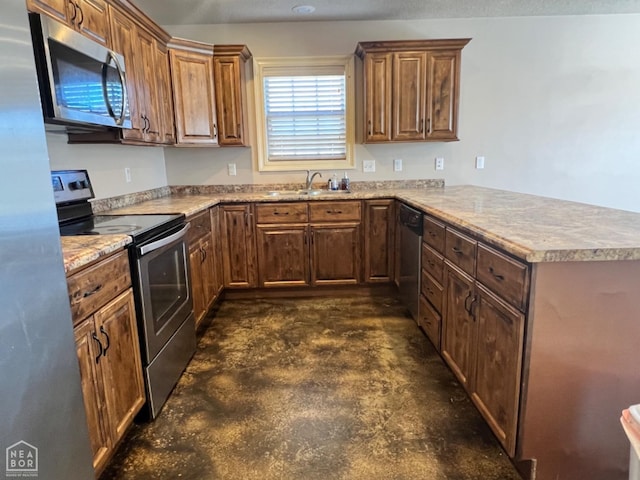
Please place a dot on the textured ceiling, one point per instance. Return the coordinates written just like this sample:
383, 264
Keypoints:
186, 12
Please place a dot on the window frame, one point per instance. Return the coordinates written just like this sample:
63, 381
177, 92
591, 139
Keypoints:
303, 66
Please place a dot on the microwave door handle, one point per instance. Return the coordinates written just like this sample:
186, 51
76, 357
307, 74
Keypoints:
164, 241
112, 56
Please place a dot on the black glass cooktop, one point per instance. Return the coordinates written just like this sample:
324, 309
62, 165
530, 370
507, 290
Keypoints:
137, 226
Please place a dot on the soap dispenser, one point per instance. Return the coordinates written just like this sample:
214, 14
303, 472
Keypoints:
345, 182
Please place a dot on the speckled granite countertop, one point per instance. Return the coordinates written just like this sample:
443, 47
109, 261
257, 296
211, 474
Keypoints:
81, 250
536, 229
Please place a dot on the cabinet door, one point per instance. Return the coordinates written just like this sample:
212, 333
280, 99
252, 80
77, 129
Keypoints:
377, 97
409, 95
197, 291
443, 74
335, 254
58, 9
283, 255
193, 93
89, 356
459, 326
238, 246
379, 237
123, 40
228, 88
147, 87
115, 325
165, 98
92, 20
208, 273
216, 237
496, 386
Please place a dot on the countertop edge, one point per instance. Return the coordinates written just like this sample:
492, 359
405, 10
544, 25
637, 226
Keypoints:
81, 250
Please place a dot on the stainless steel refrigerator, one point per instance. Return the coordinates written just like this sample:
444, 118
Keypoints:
43, 432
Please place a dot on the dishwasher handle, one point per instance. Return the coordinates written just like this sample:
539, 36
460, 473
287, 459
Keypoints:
411, 218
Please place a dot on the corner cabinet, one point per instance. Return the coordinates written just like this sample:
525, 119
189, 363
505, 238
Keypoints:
229, 63
238, 246
193, 92
108, 352
411, 89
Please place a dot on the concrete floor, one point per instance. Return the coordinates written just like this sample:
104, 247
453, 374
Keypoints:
303, 389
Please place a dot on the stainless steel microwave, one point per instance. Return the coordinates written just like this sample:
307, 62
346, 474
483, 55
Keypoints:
82, 83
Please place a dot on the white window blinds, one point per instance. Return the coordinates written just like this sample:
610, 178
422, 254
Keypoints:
305, 117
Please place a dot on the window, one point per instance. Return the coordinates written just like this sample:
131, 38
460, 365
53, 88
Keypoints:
304, 113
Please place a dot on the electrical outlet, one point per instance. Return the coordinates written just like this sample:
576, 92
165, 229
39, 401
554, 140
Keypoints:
397, 165
368, 166
479, 162
439, 163
231, 169
127, 174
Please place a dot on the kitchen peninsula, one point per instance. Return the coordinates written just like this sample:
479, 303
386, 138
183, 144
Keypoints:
567, 344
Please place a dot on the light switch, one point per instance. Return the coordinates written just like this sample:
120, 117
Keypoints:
479, 162
231, 167
397, 165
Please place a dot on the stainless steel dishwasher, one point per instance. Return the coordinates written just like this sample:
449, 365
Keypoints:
410, 221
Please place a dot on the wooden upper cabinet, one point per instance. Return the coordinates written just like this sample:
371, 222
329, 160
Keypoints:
377, 91
89, 17
193, 92
443, 78
148, 84
411, 89
230, 90
409, 94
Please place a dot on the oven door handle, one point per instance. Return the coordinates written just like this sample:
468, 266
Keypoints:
164, 241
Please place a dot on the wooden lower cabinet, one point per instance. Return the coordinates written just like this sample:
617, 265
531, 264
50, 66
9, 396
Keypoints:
283, 255
238, 246
111, 371
204, 288
379, 236
495, 388
482, 342
335, 254
459, 332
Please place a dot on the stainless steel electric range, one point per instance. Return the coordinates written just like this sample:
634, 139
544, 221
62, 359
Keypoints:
159, 261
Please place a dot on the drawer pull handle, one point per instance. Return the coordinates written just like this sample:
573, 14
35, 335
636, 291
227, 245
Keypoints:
433, 234
497, 276
456, 250
91, 292
102, 331
281, 213
93, 335
333, 212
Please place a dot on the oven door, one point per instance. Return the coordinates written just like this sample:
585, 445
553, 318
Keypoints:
165, 293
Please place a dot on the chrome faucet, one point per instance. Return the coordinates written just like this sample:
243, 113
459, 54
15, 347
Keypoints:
310, 178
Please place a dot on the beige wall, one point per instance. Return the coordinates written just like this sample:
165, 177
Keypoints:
553, 103
106, 164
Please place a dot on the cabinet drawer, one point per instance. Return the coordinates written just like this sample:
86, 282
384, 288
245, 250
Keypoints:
322, 211
200, 226
282, 213
430, 321
461, 251
93, 287
432, 290
433, 263
433, 233
504, 275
